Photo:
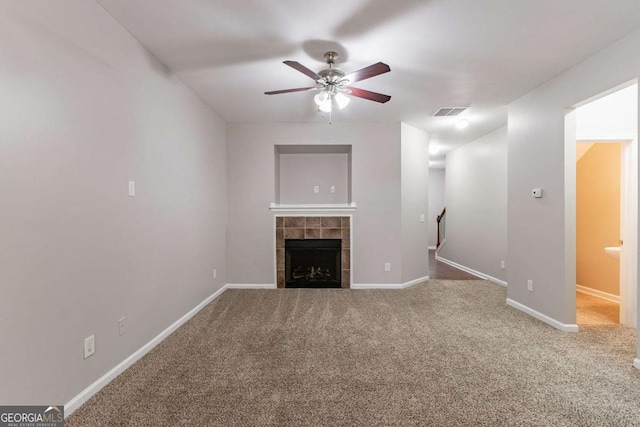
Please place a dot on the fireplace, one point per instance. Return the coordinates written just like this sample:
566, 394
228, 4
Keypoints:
313, 263
314, 229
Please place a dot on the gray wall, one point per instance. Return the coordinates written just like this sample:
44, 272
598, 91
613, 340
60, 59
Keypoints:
476, 200
436, 201
375, 186
536, 227
415, 201
85, 109
299, 173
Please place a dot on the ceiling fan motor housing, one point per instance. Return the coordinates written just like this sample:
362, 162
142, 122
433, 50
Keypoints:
331, 76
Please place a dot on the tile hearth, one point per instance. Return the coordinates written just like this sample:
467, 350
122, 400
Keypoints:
313, 227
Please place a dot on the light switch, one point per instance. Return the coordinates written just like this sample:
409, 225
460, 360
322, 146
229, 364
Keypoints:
421, 217
132, 188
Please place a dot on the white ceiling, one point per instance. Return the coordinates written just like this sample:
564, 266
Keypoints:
441, 52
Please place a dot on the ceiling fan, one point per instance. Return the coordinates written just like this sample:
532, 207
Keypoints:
333, 84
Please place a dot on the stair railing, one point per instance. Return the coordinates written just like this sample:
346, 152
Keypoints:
441, 227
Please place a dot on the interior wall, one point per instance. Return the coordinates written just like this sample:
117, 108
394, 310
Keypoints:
437, 184
476, 200
300, 173
598, 217
375, 190
85, 108
415, 203
536, 227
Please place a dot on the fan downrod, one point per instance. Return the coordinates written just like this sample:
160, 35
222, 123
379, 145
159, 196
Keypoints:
331, 76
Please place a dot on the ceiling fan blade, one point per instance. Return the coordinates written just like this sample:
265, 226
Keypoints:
299, 89
304, 70
368, 72
366, 94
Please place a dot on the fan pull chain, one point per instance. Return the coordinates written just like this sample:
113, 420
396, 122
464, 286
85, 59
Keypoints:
324, 116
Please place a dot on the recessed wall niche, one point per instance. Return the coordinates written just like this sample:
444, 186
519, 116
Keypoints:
312, 174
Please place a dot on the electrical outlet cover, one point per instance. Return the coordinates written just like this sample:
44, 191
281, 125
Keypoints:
89, 346
122, 326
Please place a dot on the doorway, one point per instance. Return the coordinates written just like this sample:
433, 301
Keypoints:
602, 188
598, 217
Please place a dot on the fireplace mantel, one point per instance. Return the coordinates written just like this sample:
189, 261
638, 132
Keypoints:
341, 207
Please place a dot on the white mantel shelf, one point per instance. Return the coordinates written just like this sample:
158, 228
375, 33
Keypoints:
341, 207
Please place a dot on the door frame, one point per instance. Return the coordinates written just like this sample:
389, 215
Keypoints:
629, 233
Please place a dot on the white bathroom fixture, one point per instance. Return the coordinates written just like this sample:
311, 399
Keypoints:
613, 251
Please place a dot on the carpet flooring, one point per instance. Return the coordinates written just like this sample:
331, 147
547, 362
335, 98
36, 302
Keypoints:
441, 353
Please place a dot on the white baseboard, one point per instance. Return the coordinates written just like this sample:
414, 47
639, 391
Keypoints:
389, 285
636, 363
542, 317
250, 286
414, 282
599, 294
471, 271
101, 382
432, 248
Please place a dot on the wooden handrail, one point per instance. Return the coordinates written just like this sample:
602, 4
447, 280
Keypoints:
438, 220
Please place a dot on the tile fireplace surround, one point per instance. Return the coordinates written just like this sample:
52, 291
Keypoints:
314, 227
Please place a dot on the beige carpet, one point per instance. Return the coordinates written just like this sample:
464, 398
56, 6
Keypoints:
442, 353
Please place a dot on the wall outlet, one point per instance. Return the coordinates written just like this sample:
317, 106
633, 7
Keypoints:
316, 189
333, 188
530, 285
387, 266
215, 273
89, 346
132, 188
536, 192
502, 265
421, 217
122, 326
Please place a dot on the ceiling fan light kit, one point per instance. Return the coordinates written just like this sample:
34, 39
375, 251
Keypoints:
325, 99
333, 84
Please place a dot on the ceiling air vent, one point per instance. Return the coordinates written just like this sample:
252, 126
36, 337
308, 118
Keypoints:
449, 111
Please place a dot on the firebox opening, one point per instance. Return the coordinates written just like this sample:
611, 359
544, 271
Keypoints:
314, 263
